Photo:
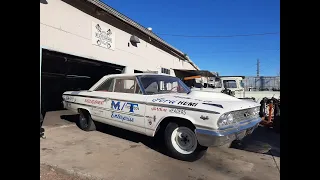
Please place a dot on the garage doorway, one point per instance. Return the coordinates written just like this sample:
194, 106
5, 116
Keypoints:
62, 72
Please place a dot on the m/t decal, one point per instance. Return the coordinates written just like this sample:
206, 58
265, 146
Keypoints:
133, 106
117, 106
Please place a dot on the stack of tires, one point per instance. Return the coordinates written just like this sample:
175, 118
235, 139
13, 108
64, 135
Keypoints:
276, 111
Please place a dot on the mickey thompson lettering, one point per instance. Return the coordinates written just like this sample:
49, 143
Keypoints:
185, 103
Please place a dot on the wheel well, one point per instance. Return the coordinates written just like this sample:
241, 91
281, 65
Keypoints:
85, 111
178, 120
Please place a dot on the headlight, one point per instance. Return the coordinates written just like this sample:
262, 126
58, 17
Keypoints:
226, 120
255, 111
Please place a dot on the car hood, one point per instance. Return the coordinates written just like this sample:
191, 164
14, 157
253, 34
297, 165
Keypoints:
214, 101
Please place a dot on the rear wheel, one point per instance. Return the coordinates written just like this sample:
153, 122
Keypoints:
85, 121
181, 142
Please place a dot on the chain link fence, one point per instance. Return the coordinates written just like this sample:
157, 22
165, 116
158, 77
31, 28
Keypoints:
262, 83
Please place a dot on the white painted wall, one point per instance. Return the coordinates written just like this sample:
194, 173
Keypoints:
66, 29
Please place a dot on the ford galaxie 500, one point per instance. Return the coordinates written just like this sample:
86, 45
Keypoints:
189, 121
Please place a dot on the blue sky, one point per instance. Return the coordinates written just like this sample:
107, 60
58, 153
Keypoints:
228, 56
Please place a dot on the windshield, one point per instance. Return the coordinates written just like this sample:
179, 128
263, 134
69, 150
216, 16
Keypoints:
157, 84
229, 84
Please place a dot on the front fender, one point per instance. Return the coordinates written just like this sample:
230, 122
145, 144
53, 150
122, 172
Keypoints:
180, 116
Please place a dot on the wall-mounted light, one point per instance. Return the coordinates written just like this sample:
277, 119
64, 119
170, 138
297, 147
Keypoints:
134, 39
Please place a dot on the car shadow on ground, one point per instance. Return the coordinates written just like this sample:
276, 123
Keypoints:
71, 118
263, 140
153, 143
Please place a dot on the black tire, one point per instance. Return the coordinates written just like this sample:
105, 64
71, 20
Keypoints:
195, 155
85, 121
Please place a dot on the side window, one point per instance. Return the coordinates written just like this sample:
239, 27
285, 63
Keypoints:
106, 86
127, 85
229, 84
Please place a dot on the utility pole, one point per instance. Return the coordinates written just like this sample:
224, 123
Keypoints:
258, 67
258, 74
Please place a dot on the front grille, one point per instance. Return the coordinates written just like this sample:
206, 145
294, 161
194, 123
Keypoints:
244, 114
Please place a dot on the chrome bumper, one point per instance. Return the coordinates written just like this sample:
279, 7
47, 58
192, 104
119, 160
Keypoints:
220, 137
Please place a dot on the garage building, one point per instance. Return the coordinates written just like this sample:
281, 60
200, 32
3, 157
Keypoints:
83, 40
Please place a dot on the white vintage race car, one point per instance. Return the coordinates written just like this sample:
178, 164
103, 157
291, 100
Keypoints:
189, 121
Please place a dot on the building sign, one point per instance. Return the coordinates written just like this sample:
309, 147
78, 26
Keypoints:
103, 36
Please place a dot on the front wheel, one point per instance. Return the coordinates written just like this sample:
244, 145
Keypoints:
182, 143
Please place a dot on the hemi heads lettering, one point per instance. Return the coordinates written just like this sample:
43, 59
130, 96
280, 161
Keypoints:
186, 103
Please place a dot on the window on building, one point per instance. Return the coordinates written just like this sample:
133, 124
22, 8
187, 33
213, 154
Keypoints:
127, 85
229, 84
106, 86
165, 71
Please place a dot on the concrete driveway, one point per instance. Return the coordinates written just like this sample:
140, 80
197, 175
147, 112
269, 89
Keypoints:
115, 154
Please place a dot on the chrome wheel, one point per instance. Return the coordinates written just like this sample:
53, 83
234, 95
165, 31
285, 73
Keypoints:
184, 140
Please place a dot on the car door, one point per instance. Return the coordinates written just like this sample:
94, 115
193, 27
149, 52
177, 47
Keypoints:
127, 104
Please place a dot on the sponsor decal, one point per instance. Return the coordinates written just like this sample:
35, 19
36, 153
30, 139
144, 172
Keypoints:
163, 100
131, 106
121, 117
178, 111
204, 117
186, 103
159, 109
94, 101
154, 118
150, 118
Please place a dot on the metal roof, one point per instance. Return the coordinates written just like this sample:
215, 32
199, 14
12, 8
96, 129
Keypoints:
124, 18
196, 72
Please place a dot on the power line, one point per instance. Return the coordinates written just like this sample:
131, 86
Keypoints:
219, 36
252, 51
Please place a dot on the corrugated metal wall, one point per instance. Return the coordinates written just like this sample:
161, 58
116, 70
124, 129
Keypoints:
268, 82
